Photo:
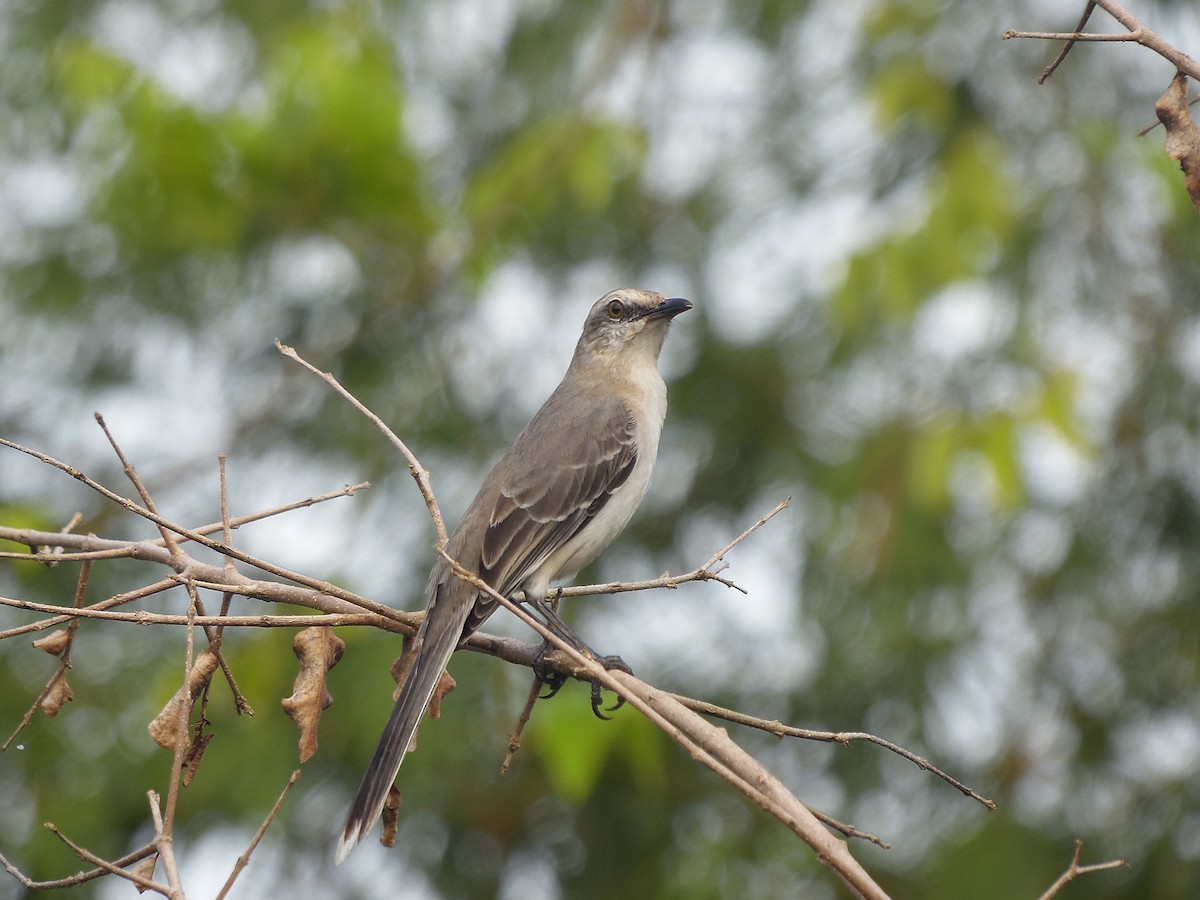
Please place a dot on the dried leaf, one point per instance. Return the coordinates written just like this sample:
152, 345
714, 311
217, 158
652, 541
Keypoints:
169, 728
388, 817
145, 869
318, 650
193, 755
1183, 137
54, 643
59, 694
400, 670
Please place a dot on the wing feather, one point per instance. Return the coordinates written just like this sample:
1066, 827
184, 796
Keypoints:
542, 508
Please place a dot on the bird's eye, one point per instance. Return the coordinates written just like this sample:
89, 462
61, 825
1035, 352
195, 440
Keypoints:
615, 309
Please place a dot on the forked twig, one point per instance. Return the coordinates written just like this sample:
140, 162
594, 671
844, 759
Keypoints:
1074, 870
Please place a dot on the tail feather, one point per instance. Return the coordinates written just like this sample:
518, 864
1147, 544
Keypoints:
437, 648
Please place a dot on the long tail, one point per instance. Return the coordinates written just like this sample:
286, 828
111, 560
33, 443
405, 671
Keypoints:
437, 646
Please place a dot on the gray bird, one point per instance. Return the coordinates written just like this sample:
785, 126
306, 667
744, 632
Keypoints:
562, 492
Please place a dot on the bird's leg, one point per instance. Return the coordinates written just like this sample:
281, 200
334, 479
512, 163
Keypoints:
554, 680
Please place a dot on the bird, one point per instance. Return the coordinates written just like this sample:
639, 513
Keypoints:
558, 496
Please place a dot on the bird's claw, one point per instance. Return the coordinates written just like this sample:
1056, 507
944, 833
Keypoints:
554, 681
611, 663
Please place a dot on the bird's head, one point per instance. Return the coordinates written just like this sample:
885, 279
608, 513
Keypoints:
629, 322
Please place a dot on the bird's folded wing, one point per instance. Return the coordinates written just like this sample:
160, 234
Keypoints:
542, 508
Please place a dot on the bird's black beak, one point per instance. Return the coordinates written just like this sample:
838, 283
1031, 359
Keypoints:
668, 309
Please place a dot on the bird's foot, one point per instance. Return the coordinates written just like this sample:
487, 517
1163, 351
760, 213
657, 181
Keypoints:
610, 663
554, 680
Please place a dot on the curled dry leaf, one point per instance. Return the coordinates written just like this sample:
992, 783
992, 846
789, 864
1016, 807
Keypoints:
59, 694
1183, 137
145, 869
169, 728
391, 826
193, 755
403, 665
318, 650
54, 643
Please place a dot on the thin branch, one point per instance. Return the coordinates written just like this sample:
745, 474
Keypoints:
1137, 33
514, 739
143, 617
708, 745
708, 571
116, 548
1074, 870
79, 877
244, 859
849, 830
241, 704
1115, 37
777, 728
263, 565
165, 846
64, 661
132, 475
115, 600
419, 473
1062, 54
110, 868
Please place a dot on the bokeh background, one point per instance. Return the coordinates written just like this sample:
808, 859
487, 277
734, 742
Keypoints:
953, 314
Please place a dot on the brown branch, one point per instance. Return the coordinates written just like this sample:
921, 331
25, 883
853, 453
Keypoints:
244, 859
79, 877
1137, 33
419, 473
108, 867
263, 565
64, 662
777, 728
514, 739
705, 743
1062, 54
132, 475
1074, 870
164, 822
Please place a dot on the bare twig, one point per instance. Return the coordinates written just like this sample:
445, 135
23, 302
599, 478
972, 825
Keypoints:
263, 565
110, 868
1074, 870
775, 727
239, 701
64, 662
514, 739
165, 845
708, 571
419, 473
1062, 54
1137, 33
244, 859
164, 822
79, 877
132, 475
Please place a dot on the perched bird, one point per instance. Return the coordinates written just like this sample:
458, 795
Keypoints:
556, 499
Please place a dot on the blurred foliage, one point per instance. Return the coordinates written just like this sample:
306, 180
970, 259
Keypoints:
977, 373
